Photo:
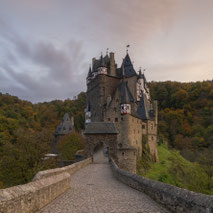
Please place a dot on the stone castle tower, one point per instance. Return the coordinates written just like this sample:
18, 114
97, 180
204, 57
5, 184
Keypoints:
120, 97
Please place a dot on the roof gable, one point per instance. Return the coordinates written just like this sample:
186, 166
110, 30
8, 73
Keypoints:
143, 110
126, 96
127, 65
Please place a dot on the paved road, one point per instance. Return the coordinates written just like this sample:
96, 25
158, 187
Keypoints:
95, 190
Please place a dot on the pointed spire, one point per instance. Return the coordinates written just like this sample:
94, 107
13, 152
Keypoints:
123, 71
90, 72
128, 67
126, 96
102, 62
143, 108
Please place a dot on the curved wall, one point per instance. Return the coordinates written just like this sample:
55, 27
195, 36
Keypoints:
173, 198
45, 187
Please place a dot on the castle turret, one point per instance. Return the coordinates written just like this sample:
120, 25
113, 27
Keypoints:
128, 67
102, 69
89, 76
126, 98
143, 110
142, 87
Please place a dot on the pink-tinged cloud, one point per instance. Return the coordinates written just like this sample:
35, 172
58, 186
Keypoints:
47, 46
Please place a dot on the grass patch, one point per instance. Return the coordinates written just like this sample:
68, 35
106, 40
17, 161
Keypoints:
173, 169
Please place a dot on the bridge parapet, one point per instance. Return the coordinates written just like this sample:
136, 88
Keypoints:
45, 187
173, 198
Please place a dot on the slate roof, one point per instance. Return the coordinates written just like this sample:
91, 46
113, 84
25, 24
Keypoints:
126, 96
102, 62
89, 73
143, 108
128, 67
100, 128
65, 127
106, 59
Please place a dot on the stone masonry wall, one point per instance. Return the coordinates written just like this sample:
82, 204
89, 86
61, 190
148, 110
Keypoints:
45, 187
97, 92
173, 198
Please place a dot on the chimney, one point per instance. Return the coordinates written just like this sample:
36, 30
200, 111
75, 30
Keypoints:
112, 64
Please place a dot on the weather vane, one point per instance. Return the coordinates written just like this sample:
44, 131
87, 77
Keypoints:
127, 46
107, 51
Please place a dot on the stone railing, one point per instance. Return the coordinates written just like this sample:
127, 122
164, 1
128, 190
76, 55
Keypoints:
173, 198
45, 187
70, 169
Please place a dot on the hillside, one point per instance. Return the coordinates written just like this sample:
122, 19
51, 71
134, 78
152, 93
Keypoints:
185, 124
174, 169
26, 131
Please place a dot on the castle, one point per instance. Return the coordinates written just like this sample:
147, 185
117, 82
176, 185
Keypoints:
64, 128
120, 111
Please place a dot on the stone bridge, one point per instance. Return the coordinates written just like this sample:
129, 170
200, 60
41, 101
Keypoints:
90, 187
95, 189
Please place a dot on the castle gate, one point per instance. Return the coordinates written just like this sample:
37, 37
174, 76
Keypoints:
100, 134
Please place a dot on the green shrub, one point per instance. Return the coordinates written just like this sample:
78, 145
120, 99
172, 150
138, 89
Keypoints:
70, 144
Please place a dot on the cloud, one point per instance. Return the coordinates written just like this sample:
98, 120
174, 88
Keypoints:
46, 46
39, 70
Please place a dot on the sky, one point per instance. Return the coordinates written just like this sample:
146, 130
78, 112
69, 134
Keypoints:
46, 46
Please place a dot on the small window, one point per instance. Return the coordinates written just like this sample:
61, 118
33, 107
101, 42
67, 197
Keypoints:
116, 119
152, 138
143, 127
122, 118
122, 153
108, 119
64, 128
117, 100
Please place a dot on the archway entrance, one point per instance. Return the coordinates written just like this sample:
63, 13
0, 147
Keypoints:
100, 153
101, 140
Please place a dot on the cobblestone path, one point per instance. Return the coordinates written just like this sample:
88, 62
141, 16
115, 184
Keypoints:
95, 190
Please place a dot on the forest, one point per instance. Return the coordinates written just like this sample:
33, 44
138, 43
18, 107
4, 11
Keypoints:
185, 134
